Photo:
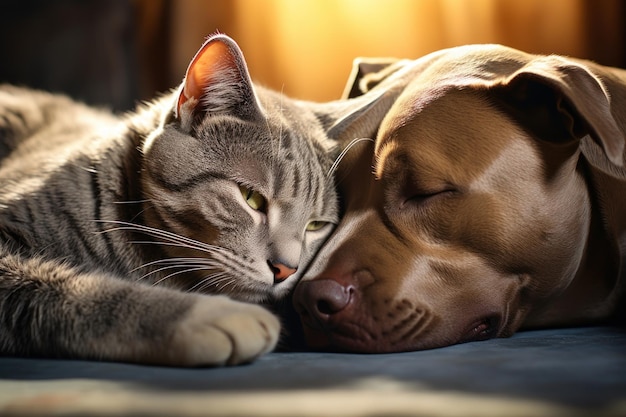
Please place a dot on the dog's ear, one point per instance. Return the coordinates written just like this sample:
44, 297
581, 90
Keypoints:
357, 117
368, 72
561, 100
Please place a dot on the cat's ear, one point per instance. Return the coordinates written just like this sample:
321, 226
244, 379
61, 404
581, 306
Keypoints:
217, 81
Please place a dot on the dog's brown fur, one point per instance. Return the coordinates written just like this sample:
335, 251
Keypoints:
493, 198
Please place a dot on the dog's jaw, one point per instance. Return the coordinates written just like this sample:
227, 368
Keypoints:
356, 310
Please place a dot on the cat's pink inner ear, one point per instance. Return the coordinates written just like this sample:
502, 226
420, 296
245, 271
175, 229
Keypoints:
212, 57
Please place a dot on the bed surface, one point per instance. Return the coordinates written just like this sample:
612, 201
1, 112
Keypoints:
560, 372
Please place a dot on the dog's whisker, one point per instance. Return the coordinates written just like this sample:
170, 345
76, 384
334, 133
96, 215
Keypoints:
343, 153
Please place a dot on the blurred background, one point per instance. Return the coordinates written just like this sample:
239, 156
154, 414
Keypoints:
117, 52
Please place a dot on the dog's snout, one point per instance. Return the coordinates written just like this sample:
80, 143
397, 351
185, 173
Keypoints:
322, 298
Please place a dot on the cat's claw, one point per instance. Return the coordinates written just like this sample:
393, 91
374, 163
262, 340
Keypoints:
220, 331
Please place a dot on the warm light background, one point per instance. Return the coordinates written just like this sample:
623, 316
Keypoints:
116, 52
306, 47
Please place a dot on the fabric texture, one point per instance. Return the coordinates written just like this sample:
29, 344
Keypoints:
557, 372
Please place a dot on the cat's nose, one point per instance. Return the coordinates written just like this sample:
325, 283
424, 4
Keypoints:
281, 270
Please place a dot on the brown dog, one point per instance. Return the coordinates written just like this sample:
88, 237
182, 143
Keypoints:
493, 198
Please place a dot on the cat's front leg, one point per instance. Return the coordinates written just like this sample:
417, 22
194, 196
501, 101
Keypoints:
49, 309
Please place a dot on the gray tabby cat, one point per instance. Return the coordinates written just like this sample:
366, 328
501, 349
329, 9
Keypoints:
112, 227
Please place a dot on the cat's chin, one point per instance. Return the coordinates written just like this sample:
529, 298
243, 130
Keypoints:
281, 292
259, 294
263, 294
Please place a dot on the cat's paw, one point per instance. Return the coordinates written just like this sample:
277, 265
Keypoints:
219, 331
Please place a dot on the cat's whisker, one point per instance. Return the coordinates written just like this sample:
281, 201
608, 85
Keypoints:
343, 153
132, 201
222, 283
172, 261
187, 266
145, 208
177, 245
179, 263
163, 234
173, 244
147, 230
280, 126
184, 271
142, 211
210, 280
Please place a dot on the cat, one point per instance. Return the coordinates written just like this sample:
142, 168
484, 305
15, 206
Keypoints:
147, 237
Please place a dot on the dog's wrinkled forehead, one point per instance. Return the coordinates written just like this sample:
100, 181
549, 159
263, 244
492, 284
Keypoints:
454, 137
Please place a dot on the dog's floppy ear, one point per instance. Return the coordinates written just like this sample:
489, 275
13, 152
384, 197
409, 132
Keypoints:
560, 100
368, 72
358, 117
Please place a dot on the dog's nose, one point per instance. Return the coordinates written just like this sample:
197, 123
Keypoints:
281, 271
322, 298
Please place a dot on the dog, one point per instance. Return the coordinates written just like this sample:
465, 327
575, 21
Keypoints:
492, 199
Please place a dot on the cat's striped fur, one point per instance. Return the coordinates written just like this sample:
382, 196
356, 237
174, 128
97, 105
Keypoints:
112, 227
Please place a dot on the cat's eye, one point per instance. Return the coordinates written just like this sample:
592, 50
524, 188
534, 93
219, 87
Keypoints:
254, 199
315, 225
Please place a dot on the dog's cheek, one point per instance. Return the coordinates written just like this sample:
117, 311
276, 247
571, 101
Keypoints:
476, 223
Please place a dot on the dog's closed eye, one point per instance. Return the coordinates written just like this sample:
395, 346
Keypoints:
421, 196
419, 189
425, 196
